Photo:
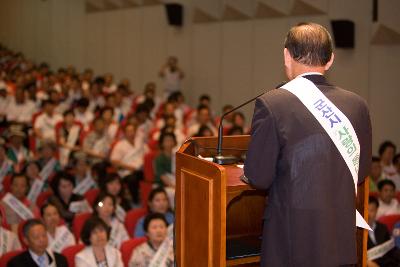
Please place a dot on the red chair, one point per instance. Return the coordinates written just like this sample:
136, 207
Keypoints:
6, 257
128, 246
42, 198
21, 234
389, 221
3, 222
148, 166
70, 253
7, 183
145, 189
374, 194
91, 195
132, 217
78, 222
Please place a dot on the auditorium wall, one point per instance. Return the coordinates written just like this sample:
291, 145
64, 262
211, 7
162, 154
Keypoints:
231, 60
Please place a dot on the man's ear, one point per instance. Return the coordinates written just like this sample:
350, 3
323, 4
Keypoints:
330, 62
287, 57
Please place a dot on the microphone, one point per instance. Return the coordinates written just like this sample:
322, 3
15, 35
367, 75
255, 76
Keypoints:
226, 160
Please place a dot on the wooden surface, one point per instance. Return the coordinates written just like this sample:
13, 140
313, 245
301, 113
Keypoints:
213, 205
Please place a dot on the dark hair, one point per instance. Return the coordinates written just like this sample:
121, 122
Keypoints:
373, 200
236, 129
104, 109
309, 44
19, 174
90, 225
82, 102
201, 107
45, 206
100, 198
202, 129
29, 224
144, 107
47, 102
165, 135
61, 175
396, 159
384, 182
151, 217
68, 112
376, 159
156, 191
204, 97
386, 145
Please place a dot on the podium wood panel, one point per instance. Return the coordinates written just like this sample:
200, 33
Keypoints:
213, 206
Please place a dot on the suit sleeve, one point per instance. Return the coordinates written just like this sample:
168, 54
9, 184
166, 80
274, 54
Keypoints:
263, 150
365, 140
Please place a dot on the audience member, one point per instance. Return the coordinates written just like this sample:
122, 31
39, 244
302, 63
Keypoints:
388, 204
8, 240
97, 252
58, 234
375, 174
35, 236
387, 150
172, 75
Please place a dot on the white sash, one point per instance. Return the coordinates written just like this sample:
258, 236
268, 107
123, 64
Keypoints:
5, 167
84, 185
80, 206
101, 145
35, 190
162, 256
120, 213
336, 125
71, 140
18, 206
4, 241
380, 250
48, 169
60, 241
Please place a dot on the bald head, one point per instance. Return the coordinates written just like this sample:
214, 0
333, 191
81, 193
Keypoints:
309, 44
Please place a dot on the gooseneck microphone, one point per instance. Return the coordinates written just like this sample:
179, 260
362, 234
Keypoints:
225, 160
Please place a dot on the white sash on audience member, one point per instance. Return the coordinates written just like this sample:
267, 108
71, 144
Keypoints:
101, 145
120, 213
336, 125
4, 242
60, 240
48, 169
35, 190
380, 250
5, 167
80, 206
18, 206
163, 253
71, 141
84, 185
115, 235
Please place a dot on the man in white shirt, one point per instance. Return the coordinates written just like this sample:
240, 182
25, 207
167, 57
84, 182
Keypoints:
45, 123
172, 75
203, 119
20, 109
387, 150
388, 204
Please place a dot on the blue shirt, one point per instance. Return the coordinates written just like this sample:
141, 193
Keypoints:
139, 231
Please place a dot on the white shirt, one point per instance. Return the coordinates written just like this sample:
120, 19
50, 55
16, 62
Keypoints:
55, 244
21, 112
85, 118
390, 172
388, 209
129, 154
35, 257
8, 241
118, 233
46, 125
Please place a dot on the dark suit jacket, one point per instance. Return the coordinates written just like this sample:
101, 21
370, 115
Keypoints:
390, 259
24, 260
310, 216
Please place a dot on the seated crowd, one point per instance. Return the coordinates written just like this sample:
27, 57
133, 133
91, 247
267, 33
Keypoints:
384, 208
73, 155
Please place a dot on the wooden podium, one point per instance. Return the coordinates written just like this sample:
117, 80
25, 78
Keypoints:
218, 217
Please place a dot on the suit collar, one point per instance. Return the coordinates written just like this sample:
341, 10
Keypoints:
317, 79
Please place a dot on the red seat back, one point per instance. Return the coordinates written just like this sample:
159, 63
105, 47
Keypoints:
5, 258
42, 198
148, 166
70, 253
91, 195
145, 189
389, 221
128, 246
132, 218
21, 234
78, 222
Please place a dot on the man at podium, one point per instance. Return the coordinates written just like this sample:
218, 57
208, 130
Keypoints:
310, 147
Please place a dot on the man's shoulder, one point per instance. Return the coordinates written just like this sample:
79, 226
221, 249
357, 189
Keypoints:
23, 257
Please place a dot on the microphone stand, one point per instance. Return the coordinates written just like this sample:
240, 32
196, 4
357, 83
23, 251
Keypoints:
219, 158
